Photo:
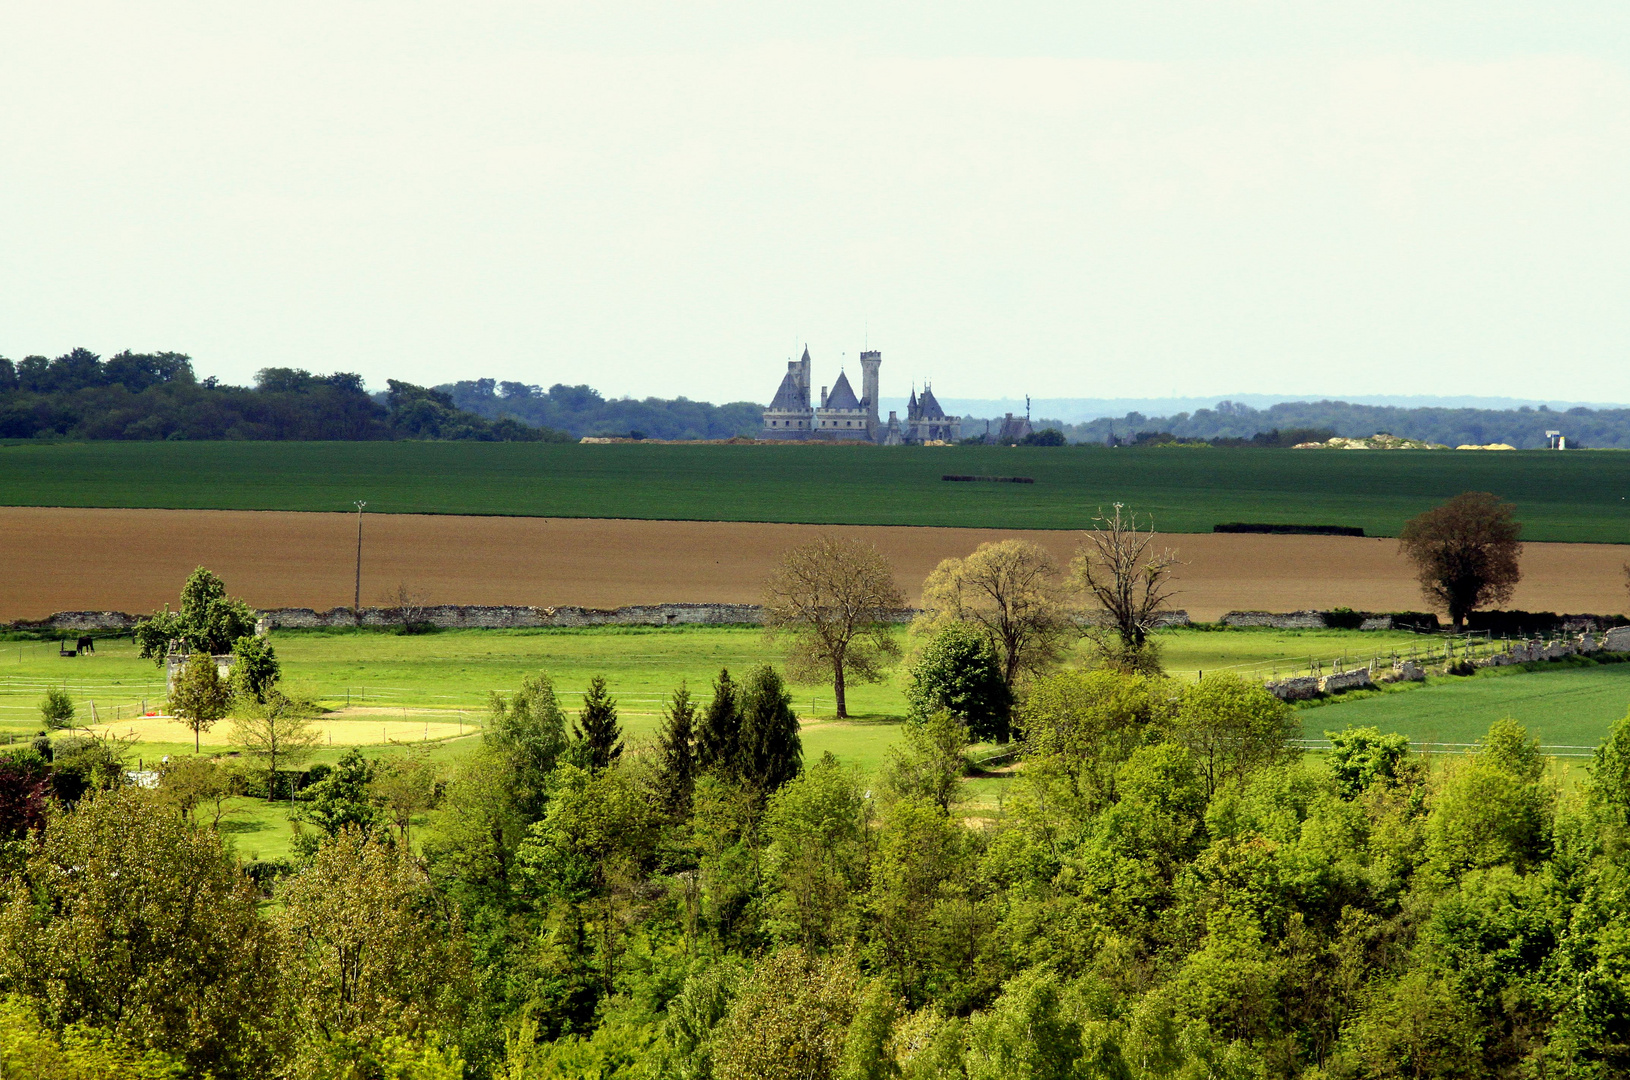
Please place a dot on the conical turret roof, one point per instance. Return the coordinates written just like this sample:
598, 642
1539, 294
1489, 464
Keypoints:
790, 397
842, 395
928, 407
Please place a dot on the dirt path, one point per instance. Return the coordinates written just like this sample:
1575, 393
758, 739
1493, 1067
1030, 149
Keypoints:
135, 560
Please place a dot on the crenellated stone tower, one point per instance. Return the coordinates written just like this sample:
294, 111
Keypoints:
870, 361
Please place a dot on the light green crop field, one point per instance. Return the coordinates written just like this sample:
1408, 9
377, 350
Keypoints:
1574, 496
1561, 706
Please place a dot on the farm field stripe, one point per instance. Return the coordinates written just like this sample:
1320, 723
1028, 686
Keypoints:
135, 561
1573, 496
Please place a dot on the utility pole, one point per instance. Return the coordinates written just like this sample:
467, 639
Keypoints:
356, 602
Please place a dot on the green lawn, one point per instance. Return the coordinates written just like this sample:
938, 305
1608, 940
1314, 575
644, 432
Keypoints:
1571, 496
1561, 706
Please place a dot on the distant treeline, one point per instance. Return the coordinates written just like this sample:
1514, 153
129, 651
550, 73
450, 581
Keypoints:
581, 410
1524, 428
157, 396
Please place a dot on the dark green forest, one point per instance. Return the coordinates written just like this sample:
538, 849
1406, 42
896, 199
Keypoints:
1169, 891
157, 396
581, 411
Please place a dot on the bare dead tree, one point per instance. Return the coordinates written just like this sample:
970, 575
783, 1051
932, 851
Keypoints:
1118, 567
406, 606
834, 599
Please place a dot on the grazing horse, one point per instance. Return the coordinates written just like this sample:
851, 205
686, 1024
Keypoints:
86, 646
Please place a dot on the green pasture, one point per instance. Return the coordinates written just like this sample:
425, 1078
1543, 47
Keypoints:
364, 677
1577, 496
1562, 705
370, 676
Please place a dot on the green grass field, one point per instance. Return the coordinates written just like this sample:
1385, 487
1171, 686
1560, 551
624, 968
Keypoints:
374, 677
1578, 496
1562, 706
366, 678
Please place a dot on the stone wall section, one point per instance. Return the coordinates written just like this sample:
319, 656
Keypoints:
1294, 620
1341, 681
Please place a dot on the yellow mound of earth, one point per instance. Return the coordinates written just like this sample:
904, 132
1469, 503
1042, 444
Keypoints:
350, 731
1379, 441
1486, 446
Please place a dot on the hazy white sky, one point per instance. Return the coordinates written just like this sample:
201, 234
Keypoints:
669, 198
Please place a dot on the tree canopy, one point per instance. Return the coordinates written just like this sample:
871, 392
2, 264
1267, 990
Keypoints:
1467, 553
833, 601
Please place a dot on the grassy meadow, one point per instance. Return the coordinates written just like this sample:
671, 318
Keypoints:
1576, 496
1561, 704
387, 693
384, 690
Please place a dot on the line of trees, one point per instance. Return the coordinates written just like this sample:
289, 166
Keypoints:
835, 604
1232, 423
582, 410
157, 396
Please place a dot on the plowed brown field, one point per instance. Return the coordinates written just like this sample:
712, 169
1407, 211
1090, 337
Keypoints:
135, 560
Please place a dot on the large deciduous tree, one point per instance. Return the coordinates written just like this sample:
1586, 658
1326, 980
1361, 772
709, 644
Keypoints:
586, 860
1130, 582
1233, 727
1080, 727
1009, 591
255, 669
209, 621
377, 953
958, 673
833, 600
1466, 553
129, 919
527, 730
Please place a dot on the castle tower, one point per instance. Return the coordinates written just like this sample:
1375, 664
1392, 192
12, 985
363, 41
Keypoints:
870, 361
801, 374
789, 415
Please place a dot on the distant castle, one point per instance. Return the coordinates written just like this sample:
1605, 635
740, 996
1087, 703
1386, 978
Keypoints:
842, 415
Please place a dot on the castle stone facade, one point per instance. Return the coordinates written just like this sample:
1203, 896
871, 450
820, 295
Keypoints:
843, 416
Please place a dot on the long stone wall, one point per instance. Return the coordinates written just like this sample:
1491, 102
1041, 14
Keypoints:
455, 617
1533, 651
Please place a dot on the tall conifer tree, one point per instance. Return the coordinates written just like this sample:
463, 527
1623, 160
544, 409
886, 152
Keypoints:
597, 728
676, 752
771, 751
718, 740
